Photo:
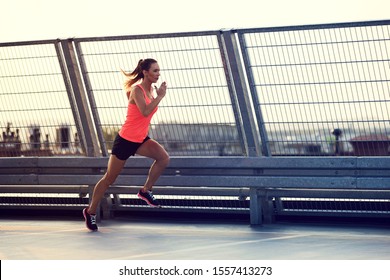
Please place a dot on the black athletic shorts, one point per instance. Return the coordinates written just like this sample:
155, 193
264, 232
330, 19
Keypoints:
123, 149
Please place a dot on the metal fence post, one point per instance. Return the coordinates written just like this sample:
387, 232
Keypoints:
68, 87
91, 98
266, 151
89, 135
242, 95
233, 97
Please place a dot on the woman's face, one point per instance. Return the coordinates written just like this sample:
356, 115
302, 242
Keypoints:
153, 73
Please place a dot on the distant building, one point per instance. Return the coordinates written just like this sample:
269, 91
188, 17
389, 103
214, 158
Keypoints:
198, 139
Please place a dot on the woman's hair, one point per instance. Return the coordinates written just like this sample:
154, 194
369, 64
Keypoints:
137, 74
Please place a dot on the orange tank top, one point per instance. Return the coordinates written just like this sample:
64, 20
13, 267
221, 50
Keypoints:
136, 126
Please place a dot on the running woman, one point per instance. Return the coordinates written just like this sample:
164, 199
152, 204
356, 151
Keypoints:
133, 136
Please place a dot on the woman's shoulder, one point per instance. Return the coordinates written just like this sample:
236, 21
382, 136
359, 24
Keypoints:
136, 90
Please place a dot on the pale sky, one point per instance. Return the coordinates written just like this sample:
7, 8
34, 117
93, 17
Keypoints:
24, 20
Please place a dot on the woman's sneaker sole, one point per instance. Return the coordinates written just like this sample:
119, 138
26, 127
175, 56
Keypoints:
151, 204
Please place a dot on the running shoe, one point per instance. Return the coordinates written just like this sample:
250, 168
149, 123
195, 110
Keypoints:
148, 198
90, 220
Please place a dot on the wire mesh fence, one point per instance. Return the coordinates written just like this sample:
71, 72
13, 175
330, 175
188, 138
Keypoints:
196, 116
322, 89
316, 90
36, 116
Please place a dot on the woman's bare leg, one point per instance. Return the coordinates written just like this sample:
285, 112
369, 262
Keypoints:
152, 149
114, 167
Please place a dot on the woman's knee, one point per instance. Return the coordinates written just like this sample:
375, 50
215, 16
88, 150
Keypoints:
164, 159
167, 159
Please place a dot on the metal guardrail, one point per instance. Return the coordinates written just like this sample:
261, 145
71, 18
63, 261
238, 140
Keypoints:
263, 187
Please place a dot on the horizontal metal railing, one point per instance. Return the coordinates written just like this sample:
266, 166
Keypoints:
348, 186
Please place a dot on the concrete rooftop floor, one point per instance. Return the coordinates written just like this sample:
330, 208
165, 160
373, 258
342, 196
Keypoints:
33, 238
